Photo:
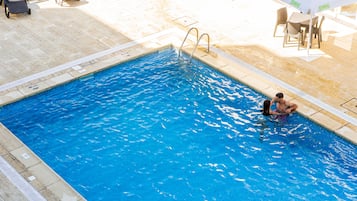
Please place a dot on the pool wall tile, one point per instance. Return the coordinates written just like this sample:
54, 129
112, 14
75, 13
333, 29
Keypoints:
305, 108
208, 59
63, 192
57, 188
234, 72
34, 182
9, 96
348, 132
33, 88
256, 83
61, 78
8, 140
27, 158
327, 120
43, 174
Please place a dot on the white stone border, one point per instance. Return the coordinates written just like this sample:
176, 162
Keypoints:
15, 178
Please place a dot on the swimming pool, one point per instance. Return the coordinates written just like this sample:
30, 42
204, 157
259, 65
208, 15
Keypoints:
157, 128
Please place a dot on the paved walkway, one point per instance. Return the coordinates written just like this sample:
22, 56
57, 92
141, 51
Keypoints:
54, 35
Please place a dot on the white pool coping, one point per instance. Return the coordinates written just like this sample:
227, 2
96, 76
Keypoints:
15, 178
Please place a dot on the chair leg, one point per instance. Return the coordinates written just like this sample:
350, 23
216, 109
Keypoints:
284, 40
302, 38
276, 26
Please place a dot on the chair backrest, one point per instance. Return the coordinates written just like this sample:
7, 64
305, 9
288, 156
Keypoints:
293, 28
282, 15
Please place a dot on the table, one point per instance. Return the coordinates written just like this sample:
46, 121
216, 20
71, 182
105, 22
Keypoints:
303, 19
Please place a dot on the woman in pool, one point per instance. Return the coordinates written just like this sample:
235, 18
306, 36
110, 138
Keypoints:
275, 116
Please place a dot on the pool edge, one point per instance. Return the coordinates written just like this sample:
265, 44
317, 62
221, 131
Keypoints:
106, 59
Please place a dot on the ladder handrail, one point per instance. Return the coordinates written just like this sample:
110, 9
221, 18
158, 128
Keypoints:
198, 41
188, 32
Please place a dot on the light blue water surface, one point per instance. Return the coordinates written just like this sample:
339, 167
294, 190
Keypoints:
157, 128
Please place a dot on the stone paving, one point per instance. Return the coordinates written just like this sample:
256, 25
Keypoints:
55, 34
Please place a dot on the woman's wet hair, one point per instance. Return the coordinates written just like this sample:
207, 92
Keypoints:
266, 107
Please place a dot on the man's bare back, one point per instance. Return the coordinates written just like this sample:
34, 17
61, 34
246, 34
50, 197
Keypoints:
282, 105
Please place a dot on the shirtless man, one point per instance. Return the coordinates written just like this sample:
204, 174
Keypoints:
282, 105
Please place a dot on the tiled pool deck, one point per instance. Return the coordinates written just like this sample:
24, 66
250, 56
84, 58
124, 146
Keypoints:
59, 43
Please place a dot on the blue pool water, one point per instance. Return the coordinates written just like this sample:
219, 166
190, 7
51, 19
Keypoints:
157, 128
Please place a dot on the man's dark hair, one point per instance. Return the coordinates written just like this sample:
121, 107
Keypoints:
280, 95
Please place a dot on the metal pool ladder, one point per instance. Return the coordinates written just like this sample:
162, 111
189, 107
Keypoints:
198, 39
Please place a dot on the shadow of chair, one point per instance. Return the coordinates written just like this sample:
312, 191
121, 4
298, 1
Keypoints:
281, 18
293, 30
15, 6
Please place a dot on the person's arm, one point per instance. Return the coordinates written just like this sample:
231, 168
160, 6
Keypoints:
274, 100
276, 113
292, 107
